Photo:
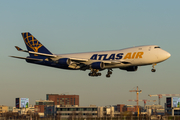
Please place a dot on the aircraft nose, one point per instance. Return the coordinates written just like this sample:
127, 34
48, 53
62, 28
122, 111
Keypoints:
163, 55
168, 55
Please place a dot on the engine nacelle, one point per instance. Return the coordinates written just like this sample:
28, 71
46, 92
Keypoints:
98, 65
64, 61
130, 68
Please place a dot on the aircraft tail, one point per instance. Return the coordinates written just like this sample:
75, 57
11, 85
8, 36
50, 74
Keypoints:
33, 44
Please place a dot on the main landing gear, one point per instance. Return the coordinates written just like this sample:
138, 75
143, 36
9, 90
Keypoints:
109, 73
153, 68
94, 72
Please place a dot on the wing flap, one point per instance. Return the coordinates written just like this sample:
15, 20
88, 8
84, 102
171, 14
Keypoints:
79, 59
116, 62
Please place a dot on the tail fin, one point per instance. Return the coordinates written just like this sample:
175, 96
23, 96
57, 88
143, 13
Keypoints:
33, 44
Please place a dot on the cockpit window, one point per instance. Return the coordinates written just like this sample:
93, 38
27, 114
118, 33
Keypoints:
157, 47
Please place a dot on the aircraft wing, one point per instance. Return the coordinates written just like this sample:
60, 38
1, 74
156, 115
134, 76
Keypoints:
115, 62
83, 64
80, 60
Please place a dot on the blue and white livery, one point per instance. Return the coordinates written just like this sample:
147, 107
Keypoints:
125, 59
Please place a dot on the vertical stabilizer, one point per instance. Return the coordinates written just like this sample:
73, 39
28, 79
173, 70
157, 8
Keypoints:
33, 44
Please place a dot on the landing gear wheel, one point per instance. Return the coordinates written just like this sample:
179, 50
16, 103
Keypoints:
153, 67
94, 73
108, 75
153, 70
90, 74
109, 72
99, 74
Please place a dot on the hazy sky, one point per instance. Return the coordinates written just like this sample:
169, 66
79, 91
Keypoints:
70, 26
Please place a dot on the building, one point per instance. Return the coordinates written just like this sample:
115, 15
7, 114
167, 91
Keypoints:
172, 106
124, 108
120, 107
22, 102
4, 109
130, 108
23, 111
154, 109
63, 100
71, 111
78, 112
41, 104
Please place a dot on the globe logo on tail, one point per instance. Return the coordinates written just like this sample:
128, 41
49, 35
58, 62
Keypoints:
31, 42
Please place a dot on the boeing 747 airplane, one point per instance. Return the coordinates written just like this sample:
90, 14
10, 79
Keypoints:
125, 59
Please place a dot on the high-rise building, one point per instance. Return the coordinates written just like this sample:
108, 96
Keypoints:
63, 100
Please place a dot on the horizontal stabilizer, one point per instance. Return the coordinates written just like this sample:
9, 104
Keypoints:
27, 58
36, 53
18, 48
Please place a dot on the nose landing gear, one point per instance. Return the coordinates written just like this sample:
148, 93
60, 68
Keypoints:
153, 69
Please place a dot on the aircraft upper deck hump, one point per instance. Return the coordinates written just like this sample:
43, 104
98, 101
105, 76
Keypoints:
33, 44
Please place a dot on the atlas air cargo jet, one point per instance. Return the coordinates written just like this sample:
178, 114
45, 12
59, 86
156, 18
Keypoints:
125, 59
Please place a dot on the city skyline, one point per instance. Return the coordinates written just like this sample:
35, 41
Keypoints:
85, 26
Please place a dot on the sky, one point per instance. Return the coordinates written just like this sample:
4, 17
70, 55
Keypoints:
72, 26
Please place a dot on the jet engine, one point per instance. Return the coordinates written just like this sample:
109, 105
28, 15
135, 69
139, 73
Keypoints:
98, 65
130, 68
64, 61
